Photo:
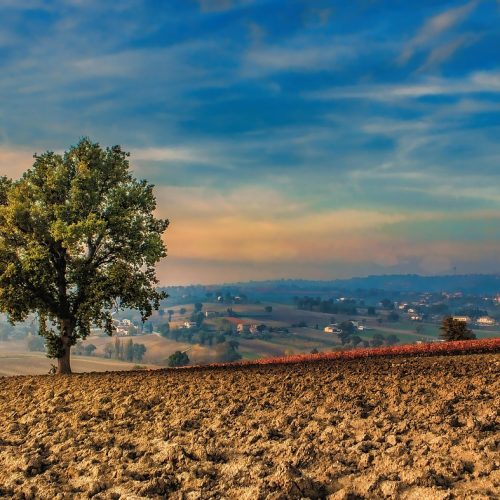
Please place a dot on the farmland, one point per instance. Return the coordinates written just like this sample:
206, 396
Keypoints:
288, 331
402, 427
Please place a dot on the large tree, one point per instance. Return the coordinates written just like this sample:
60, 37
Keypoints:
78, 239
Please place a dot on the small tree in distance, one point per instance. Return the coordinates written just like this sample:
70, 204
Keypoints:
78, 238
453, 329
178, 359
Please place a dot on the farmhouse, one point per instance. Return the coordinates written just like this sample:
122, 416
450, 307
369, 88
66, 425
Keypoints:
332, 329
464, 319
256, 329
242, 328
190, 324
485, 321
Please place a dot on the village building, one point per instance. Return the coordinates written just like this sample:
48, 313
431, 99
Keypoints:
486, 321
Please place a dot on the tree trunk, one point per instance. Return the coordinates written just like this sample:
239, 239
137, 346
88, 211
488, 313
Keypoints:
63, 363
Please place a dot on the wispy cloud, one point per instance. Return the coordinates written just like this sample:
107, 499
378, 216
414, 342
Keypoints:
442, 53
299, 54
435, 27
476, 83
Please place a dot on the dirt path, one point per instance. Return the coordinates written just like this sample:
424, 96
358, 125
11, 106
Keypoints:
379, 428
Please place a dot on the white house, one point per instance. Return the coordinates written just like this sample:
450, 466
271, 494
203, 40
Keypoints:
464, 319
485, 321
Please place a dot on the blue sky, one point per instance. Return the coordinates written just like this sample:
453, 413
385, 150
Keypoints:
286, 139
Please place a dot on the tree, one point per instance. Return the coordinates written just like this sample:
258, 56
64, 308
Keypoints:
178, 359
89, 349
347, 327
170, 314
182, 311
453, 329
139, 351
129, 350
108, 350
355, 340
227, 351
387, 304
164, 329
268, 309
377, 340
371, 311
78, 238
198, 307
392, 339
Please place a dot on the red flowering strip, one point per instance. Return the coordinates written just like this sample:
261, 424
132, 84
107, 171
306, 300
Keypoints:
426, 349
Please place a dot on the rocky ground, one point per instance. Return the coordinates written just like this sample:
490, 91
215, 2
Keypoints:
374, 428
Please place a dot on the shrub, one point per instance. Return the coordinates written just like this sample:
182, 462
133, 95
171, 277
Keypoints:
178, 358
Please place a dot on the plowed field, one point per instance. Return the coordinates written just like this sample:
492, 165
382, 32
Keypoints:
405, 427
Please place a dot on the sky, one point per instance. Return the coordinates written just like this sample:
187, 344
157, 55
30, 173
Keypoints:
287, 139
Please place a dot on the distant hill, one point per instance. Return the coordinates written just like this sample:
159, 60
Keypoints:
467, 283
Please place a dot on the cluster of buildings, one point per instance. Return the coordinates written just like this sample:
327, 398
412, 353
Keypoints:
125, 327
481, 321
335, 328
254, 329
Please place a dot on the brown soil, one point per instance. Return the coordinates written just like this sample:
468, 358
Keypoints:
373, 428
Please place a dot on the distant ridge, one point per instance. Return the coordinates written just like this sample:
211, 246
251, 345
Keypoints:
467, 283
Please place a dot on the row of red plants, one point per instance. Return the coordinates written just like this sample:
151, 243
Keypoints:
425, 349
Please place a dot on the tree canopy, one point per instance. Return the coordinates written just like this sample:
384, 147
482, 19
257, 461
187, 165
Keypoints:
454, 329
78, 238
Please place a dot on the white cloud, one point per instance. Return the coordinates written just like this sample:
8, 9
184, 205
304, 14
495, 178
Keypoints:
299, 54
476, 83
442, 53
436, 26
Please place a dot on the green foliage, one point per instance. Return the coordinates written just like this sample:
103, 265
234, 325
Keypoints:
198, 318
89, 349
347, 329
355, 340
139, 351
178, 359
453, 329
387, 304
164, 329
377, 340
78, 238
392, 339
227, 351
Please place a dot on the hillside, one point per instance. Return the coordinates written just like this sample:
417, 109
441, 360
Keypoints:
401, 427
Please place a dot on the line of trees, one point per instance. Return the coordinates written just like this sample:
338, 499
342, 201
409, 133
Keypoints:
124, 350
326, 306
